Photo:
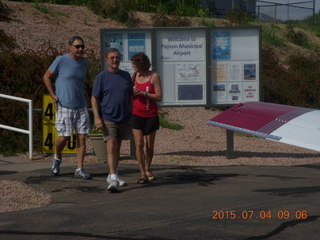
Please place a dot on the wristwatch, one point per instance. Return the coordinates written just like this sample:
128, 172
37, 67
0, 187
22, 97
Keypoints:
145, 94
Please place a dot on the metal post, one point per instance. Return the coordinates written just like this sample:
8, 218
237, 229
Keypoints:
275, 13
314, 11
230, 145
30, 131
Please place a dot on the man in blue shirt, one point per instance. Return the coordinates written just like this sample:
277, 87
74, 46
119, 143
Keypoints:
69, 72
111, 100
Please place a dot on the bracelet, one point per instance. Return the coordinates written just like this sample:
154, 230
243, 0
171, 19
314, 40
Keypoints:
145, 94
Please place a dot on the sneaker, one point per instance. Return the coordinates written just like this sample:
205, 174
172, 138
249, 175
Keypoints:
121, 182
55, 168
113, 186
80, 173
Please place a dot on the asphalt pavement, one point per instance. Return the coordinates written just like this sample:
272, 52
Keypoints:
184, 202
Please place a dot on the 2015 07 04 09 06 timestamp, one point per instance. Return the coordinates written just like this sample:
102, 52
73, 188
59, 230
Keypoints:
261, 214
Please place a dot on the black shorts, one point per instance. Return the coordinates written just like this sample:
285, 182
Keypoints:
146, 124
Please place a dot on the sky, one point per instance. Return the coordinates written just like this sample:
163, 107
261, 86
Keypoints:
284, 12
317, 2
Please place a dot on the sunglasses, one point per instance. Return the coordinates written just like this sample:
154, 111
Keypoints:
114, 57
79, 46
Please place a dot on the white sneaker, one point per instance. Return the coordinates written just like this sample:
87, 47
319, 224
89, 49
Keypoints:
113, 186
55, 167
80, 173
121, 182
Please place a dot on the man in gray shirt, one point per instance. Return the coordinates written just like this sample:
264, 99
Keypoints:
69, 72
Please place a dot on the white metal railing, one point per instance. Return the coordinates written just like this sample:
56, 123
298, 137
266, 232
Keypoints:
29, 131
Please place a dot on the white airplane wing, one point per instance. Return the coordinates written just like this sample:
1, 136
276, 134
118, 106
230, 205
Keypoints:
287, 124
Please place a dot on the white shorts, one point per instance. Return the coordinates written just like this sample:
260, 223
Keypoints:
68, 119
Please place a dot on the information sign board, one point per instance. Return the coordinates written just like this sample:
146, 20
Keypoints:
181, 63
198, 66
235, 56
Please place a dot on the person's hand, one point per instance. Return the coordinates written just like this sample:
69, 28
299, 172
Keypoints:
137, 91
55, 102
98, 123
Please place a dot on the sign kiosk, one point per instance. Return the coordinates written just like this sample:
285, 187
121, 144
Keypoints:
203, 66
206, 66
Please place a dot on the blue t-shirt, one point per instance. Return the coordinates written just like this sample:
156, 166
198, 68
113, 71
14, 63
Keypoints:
113, 90
70, 76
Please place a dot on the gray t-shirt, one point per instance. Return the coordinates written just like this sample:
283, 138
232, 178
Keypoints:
70, 76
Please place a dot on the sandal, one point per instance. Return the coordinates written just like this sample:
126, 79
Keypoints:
150, 176
143, 180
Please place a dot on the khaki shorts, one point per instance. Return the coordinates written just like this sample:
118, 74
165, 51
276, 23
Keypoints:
117, 131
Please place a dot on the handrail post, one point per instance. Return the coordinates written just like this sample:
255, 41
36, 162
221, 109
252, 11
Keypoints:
30, 130
30, 121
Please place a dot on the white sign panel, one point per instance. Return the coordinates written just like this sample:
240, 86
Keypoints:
182, 45
234, 65
181, 63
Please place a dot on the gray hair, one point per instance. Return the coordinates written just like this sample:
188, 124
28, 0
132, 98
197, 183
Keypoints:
74, 38
110, 50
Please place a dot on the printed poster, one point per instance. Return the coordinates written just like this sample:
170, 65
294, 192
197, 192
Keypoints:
250, 72
234, 92
127, 67
187, 72
250, 91
219, 92
219, 72
234, 72
114, 40
190, 92
221, 45
136, 44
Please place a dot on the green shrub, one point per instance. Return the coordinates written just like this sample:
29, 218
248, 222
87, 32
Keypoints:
63, 2
269, 36
5, 12
304, 72
164, 20
119, 10
41, 7
7, 42
238, 17
273, 81
310, 24
298, 37
191, 8
46, 10
207, 23
296, 83
166, 124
